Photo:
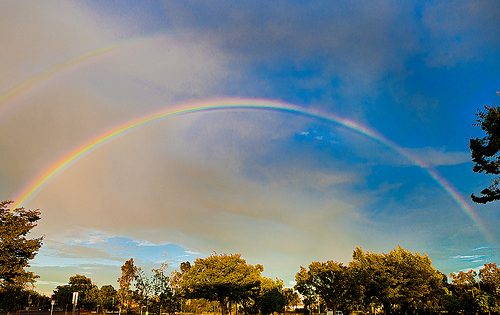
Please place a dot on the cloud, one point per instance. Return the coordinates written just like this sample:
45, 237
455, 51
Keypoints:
323, 36
139, 76
441, 157
461, 31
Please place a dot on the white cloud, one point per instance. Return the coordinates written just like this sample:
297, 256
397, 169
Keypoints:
441, 157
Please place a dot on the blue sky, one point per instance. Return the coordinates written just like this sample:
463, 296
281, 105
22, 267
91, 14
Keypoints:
281, 189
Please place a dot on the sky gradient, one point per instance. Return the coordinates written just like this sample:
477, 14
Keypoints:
374, 153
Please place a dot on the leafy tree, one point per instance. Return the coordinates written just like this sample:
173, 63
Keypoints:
292, 298
18, 298
107, 297
176, 284
87, 293
489, 279
222, 278
304, 285
271, 297
163, 295
330, 282
418, 285
485, 153
399, 280
373, 280
489, 282
144, 287
465, 291
15, 248
129, 271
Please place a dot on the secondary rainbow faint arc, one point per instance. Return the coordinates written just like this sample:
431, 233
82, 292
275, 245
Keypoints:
36, 79
242, 104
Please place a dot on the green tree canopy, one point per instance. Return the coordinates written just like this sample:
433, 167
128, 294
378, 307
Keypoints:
485, 152
107, 297
16, 249
400, 280
330, 281
304, 285
271, 297
88, 293
222, 278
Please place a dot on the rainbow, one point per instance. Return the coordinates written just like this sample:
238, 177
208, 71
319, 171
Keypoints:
48, 73
243, 104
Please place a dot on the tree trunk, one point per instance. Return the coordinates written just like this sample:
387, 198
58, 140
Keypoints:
387, 308
223, 305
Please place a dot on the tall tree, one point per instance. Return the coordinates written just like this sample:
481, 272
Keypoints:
129, 271
222, 278
162, 293
16, 249
485, 152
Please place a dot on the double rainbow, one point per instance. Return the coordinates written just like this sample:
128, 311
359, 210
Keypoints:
225, 104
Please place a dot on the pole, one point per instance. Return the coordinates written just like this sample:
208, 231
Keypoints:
52, 306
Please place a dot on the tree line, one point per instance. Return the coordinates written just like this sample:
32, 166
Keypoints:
397, 282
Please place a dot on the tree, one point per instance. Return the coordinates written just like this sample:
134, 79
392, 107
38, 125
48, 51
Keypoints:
418, 285
485, 152
222, 278
465, 292
399, 280
176, 284
129, 271
271, 297
107, 297
330, 282
162, 292
292, 298
144, 287
304, 285
489, 281
15, 248
87, 293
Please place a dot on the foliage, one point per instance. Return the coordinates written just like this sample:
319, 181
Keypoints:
87, 293
19, 298
107, 297
399, 281
15, 248
330, 280
489, 279
304, 285
222, 278
292, 298
154, 291
485, 152
129, 271
271, 297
